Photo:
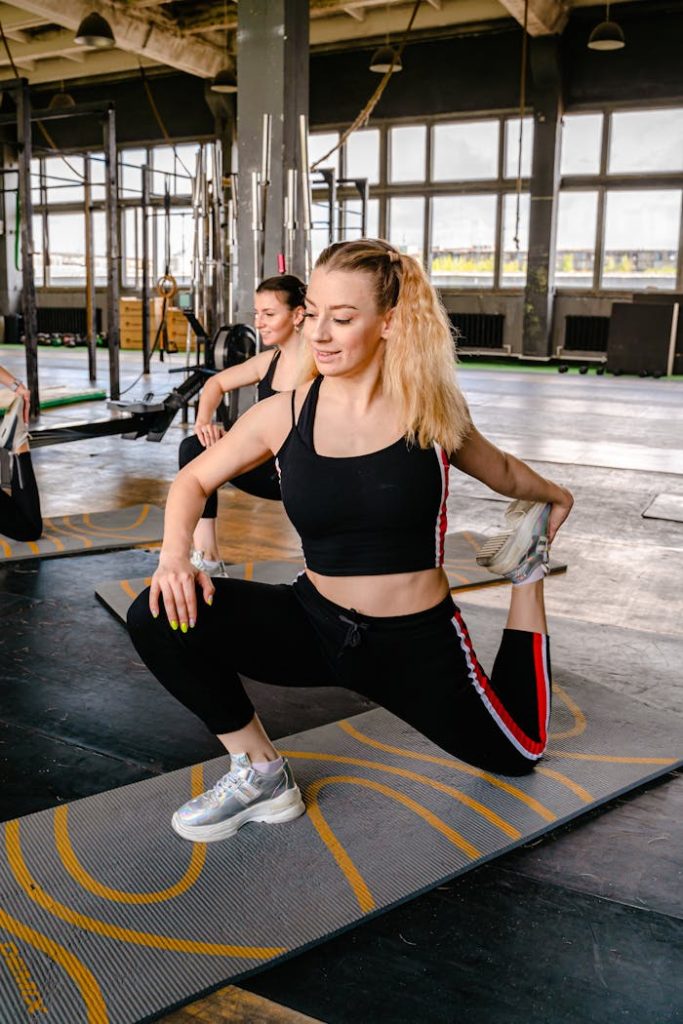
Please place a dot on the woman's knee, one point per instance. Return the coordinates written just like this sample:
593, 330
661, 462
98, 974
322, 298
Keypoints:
28, 531
139, 618
190, 448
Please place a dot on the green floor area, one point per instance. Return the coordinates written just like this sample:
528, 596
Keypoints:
521, 366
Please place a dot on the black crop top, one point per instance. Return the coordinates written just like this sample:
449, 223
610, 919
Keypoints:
264, 388
363, 515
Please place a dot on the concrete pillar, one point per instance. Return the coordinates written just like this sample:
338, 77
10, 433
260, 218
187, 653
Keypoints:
272, 78
546, 99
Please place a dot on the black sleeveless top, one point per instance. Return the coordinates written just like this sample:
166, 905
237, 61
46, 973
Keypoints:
264, 388
363, 515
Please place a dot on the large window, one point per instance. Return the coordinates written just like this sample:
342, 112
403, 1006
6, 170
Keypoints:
641, 239
513, 148
463, 241
611, 234
58, 189
465, 151
581, 142
362, 155
646, 140
575, 244
515, 240
408, 157
406, 224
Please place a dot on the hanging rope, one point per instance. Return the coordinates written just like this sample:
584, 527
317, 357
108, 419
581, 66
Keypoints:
522, 111
367, 110
159, 119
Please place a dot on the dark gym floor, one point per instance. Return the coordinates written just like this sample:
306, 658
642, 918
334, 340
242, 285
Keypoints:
585, 925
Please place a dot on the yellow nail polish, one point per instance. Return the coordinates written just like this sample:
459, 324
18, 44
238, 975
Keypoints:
183, 627
192, 623
174, 624
209, 600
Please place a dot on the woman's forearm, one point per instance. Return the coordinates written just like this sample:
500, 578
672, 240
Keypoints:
521, 481
184, 504
209, 400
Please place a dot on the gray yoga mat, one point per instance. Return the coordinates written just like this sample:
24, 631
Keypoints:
89, 531
107, 916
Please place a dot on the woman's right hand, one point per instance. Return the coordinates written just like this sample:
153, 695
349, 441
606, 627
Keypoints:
208, 433
175, 580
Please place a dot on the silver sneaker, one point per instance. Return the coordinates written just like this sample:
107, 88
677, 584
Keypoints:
518, 551
206, 565
13, 430
240, 796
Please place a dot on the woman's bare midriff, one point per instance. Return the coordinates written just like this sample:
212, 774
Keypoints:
402, 593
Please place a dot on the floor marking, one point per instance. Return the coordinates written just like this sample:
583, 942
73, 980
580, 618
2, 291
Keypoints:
35, 893
583, 794
83, 979
351, 873
86, 881
71, 532
6, 548
142, 515
127, 589
248, 571
459, 766
457, 794
579, 717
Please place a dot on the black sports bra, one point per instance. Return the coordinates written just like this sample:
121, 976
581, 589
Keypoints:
363, 515
264, 388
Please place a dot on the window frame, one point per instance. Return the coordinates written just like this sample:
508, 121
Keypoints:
605, 181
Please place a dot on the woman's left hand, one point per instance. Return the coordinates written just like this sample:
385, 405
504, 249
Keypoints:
559, 512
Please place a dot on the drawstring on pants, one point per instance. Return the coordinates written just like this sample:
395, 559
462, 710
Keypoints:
353, 634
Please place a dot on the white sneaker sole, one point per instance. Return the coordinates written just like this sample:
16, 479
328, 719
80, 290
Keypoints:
273, 812
503, 553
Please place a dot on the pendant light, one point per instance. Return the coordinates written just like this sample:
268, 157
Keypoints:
384, 58
607, 35
95, 31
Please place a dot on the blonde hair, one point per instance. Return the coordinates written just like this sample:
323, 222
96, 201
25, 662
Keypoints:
419, 361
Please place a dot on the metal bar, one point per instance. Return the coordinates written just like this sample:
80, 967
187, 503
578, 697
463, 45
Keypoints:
113, 258
79, 110
144, 230
305, 195
28, 294
89, 275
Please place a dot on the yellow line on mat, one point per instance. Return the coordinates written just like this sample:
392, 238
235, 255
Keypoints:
351, 873
457, 794
142, 515
458, 766
35, 893
582, 793
83, 979
86, 880
579, 717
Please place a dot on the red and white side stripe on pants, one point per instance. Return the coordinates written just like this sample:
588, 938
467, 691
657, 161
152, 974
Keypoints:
528, 747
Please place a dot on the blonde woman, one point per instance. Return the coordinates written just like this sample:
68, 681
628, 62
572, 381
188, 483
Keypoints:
279, 310
364, 450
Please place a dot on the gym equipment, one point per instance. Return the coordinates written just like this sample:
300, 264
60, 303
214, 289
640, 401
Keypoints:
88, 532
151, 417
107, 915
459, 563
646, 336
665, 506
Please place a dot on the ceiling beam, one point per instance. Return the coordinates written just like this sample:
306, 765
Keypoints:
43, 47
104, 62
147, 35
545, 17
